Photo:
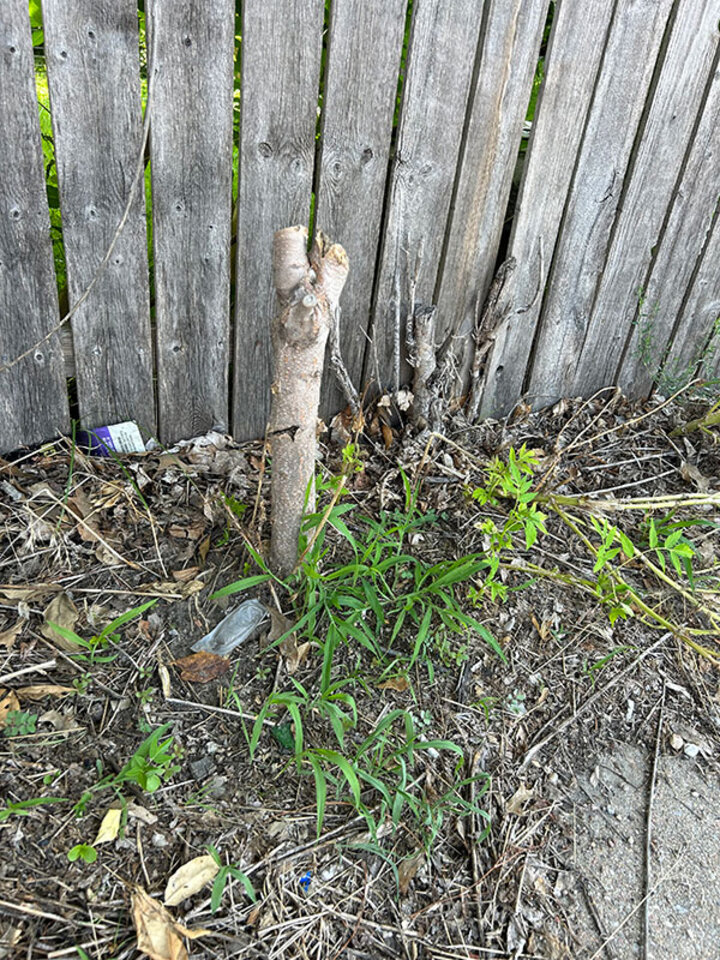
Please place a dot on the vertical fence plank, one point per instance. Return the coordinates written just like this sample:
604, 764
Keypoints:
439, 69
695, 348
91, 49
33, 396
191, 155
281, 50
571, 65
508, 59
682, 245
364, 53
659, 159
626, 71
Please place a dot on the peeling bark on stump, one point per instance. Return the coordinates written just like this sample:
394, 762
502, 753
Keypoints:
308, 290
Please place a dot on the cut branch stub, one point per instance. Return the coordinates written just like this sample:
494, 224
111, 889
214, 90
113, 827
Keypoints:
308, 290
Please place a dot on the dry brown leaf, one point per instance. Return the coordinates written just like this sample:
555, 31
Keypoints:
292, 653
387, 435
39, 690
157, 935
203, 549
407, 870
400, 684
189, 589
190, 878
202, 667
30, 591
164, 675
8, 704
518, 800
543, 628
109, 827
692, 474
189, 573
140, 813
9, 636
252, 917
61, 610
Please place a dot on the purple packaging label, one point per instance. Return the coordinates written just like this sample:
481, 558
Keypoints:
117, 438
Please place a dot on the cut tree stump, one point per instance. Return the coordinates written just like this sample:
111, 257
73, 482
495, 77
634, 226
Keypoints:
308, 289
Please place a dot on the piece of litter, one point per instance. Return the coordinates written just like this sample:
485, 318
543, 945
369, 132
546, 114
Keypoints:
117, 438
236, 627
305, 880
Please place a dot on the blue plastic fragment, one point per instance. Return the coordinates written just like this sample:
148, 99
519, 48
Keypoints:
305, 880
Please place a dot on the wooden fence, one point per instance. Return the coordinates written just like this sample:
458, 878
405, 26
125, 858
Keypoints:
614, 227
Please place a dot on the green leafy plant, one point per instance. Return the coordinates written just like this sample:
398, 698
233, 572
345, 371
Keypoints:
101, 641
226, 871
23, 808
19, 723
154, 762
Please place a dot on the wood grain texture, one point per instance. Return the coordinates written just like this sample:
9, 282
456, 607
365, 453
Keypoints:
695, 348
440, 61
33, 396
365, 45
281, 50
571, 66
622, 87
94, 82
638, 228
679, 252
191, 151
508, 58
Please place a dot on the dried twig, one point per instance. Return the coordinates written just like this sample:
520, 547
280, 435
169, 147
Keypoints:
339, 368
591, 700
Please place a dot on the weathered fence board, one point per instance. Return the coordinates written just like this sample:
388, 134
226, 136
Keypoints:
508, 57
574, 55
363, 62
678, 253
695, 348
280, 73
33, 395
440, 61
191, 146
625, 75
638, 228
91, 50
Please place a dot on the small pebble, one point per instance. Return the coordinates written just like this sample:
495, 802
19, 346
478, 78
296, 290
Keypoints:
691, 750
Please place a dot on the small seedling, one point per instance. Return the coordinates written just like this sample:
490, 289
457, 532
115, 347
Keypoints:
19, 723
82, 851
221, 878
107, 636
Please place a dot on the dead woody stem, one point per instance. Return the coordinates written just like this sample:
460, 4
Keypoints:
308, 290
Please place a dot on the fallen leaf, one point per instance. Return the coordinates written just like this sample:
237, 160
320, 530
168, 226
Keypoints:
202, 667
407, 870
39, 690
203, 549
157, 935
252, 917
9, 636
692, 474
61, 722
109, 827
189, 573
190, 878
387, 435
164, 675
400, 684
31, 591
8, 704
140, 813
61, 610
518, 800
292, 653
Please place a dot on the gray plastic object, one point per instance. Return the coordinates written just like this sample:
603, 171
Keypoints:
234, 629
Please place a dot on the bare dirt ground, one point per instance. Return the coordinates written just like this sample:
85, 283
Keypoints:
601, 742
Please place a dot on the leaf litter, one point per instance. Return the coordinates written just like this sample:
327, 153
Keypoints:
90, 534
